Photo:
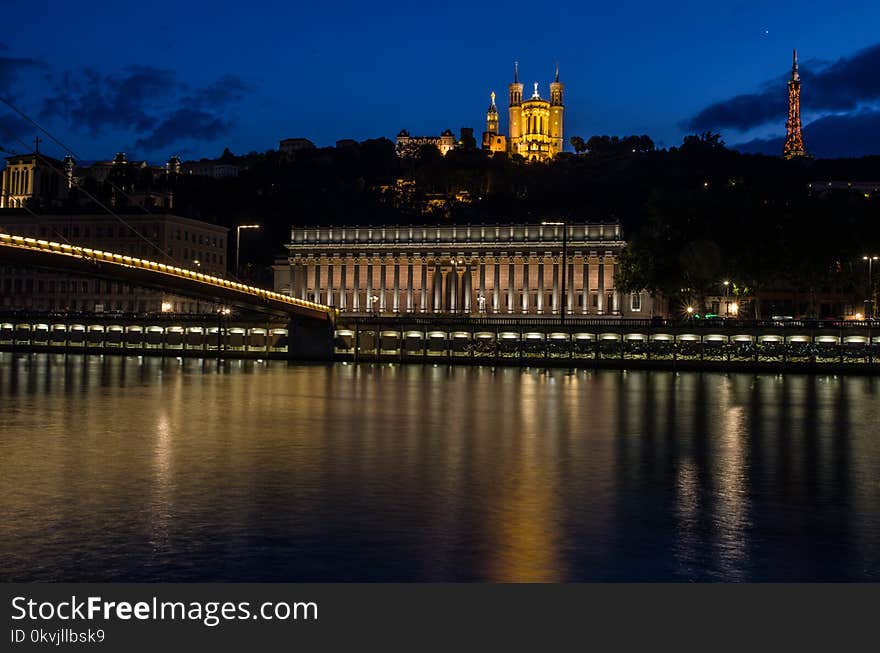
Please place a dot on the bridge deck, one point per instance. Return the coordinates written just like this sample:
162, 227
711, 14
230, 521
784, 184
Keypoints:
92, 262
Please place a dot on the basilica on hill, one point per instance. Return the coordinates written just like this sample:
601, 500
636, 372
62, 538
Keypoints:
534, 124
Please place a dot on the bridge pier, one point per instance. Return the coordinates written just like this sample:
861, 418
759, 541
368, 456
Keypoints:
310, 340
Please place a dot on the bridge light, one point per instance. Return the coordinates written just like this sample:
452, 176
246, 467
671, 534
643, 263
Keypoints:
166, 307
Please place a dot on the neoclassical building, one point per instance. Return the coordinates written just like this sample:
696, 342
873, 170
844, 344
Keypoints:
463, 269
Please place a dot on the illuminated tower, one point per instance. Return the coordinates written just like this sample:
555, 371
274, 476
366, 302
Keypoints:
492, 116
557, 108
492, 140
794, 141
515, 114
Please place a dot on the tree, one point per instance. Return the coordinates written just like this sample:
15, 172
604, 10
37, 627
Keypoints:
578, 144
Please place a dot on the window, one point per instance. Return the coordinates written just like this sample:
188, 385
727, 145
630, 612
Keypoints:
635, 302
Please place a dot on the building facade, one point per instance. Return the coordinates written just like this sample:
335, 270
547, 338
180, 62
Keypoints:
163, 238
291, 145
409, 146
34, 180
535, 125
465, 270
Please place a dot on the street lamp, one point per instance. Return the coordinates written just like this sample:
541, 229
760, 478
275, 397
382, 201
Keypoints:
482, 303
564, 270
371, 302
726, 301
238, 240
869, 302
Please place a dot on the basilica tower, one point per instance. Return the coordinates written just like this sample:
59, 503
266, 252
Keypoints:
514, 111
557, 108
794, 140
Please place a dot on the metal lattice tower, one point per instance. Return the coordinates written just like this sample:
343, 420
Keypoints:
794, 140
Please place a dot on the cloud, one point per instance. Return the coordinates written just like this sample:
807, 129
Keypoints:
12, 67
184, 124
92, 101
845, 135
226, 90
844, 85
13, 132
151, 104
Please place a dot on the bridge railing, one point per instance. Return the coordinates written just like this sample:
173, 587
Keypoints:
144, 264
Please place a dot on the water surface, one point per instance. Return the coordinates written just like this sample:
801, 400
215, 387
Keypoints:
147, 469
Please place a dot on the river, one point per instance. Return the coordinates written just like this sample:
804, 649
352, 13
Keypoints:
148, 469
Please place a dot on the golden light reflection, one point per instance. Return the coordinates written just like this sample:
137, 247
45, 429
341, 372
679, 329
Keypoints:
524, 521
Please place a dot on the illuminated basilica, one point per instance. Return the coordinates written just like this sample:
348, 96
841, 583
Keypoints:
534, 125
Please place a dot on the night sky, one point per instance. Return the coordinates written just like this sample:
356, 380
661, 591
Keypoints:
160, 78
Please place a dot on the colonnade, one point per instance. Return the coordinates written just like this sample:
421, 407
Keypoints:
491, 284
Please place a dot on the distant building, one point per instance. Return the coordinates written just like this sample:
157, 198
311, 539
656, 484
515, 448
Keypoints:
409, 146
866, 188
210, 168
499, 269
291, 145
35, 180
492, 140
226, 167
346, 142
164, 238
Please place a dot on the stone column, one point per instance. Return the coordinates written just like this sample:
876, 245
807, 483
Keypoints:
304, 290
510, 279
540, 303
444, 290
482, 284
466, 289
356, 295
585, 291
569, 286
383, 267
330, 272
615, 271
294, 280
556, 303
496, 286
525, 295
601, 285
317, 294
409, 284
437, 293
395, 300
424, 288
343, 273
368, 302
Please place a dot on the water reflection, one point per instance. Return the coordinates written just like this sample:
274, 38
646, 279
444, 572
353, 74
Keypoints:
165, 469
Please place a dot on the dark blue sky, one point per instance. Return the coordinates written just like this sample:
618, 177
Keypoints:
159, 78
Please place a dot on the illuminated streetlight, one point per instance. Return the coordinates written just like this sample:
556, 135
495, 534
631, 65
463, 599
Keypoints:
562, 304
166, 307
869, 302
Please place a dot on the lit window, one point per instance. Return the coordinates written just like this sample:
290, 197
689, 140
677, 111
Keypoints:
635, 302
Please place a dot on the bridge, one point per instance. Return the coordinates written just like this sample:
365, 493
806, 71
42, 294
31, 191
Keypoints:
151, 274
310, 325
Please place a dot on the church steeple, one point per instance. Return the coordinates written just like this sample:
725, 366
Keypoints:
492, 115
516, 88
